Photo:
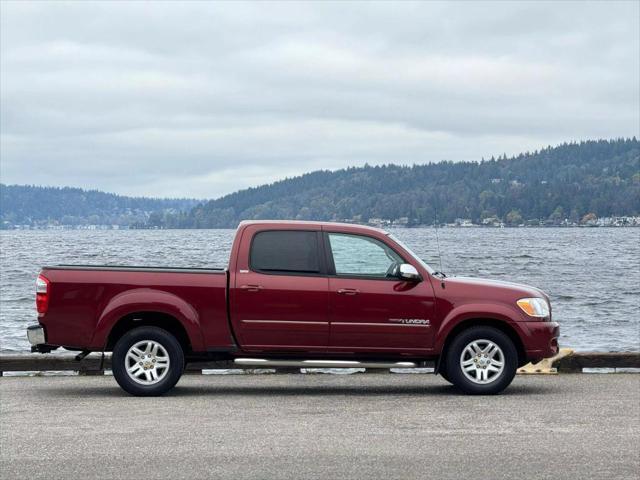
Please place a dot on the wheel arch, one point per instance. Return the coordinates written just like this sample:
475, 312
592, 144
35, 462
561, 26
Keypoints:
501, 325
150, 319
150, 305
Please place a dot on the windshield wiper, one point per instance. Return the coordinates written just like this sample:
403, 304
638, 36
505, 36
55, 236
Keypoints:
440, 274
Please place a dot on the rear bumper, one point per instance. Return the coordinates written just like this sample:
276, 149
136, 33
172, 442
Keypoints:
38, 339
542, 339
35, 334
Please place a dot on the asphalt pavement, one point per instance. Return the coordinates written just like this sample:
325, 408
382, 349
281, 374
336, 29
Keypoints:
319, 426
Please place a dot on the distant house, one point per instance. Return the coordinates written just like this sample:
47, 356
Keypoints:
379, 222
624, 221
463, 222
492, 222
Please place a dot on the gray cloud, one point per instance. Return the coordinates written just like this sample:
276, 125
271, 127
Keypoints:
200, 99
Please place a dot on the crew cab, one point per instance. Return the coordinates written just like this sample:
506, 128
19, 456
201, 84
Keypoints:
296, 294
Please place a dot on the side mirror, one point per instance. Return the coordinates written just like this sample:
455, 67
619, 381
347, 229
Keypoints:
408, 272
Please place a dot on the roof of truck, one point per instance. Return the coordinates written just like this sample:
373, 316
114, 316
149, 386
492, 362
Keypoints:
284, 223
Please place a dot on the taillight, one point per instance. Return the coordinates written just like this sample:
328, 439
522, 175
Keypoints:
42, 294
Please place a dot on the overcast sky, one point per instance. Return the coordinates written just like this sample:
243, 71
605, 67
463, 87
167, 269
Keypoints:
201, 99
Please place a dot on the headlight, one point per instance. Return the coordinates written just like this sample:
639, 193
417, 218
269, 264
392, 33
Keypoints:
534, 307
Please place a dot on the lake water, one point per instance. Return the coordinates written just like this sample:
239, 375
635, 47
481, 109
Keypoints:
591, 274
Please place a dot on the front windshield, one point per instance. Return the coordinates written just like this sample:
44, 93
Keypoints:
412, 253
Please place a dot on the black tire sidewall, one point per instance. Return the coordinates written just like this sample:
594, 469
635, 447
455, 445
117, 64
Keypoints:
454, 370
443, 373
171, 345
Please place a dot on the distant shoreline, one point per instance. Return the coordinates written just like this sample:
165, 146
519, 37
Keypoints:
462, 227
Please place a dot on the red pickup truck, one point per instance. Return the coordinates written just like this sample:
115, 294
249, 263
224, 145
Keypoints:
296, 294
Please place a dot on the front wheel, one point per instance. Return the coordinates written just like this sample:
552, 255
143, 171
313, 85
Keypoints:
443, 373
481, 361
147, 361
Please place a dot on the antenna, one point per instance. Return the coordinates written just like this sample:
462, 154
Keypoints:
435, 224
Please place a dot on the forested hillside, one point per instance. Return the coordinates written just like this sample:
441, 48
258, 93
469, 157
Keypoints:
568, 182
45, 206
564, 182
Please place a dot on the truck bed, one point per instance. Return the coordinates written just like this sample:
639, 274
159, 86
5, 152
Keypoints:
87, 301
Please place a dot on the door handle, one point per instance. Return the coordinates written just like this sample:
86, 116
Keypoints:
251, 288
348, 291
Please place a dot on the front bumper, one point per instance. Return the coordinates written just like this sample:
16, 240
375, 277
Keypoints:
542, 341
38, 339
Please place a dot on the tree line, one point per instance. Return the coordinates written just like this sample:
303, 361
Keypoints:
566, 182
43, 206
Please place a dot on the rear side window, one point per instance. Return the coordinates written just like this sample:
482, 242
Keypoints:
290, 251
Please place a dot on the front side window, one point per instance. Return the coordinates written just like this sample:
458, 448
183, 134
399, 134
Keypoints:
288, 251
424, 264
362, 256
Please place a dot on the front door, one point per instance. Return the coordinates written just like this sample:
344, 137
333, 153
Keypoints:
370, 309
280, 296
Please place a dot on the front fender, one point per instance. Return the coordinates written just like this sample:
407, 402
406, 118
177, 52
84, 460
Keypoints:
148, 300
491, 311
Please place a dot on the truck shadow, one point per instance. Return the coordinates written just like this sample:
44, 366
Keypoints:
428, 391
269, 391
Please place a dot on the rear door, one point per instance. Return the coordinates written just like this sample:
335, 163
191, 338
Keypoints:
371, 310
280, 292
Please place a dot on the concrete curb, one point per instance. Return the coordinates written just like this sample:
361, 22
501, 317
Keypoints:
567, 361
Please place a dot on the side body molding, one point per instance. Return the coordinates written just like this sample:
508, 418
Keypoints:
148, 300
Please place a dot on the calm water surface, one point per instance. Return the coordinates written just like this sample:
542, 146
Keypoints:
592, 275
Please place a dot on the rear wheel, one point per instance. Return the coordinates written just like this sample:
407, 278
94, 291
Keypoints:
147, 361
481, 361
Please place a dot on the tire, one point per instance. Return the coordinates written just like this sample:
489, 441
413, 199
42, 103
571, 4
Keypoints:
481, 361
153, 356
443, 374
